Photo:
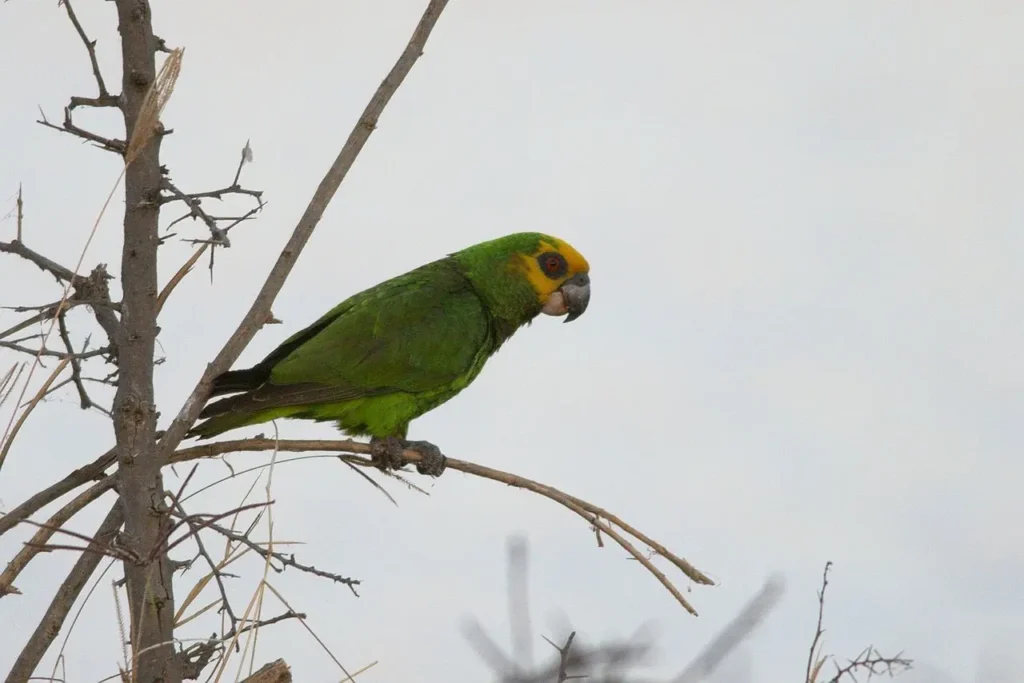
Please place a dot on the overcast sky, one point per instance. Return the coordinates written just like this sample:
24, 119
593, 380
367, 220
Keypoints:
804, 343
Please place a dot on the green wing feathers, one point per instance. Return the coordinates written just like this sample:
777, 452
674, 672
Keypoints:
372, 364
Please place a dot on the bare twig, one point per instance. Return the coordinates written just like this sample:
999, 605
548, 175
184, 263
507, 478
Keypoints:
90, 45
18, 248
286, 560
196, 210
870, 661
593, 514
36, 545
814, 660
563, 656
20, 207
17, 424
76, 363
91, 472
734, 633
47, 353
92, 290
68, 126
214, 569
873, 663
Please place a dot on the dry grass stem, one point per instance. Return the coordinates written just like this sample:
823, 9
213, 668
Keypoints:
17, 425
148, 121
185, 269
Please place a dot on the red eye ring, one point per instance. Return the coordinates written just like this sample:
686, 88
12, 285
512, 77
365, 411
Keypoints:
553, 264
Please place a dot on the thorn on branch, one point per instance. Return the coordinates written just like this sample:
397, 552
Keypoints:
218, 575
194, 201
99, 102
90, 46
92, 291
285, 560
20, 205
119, 147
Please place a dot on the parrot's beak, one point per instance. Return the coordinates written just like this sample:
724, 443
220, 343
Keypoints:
571, 299
576, 294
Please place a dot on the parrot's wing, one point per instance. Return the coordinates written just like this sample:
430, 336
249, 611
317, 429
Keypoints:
415, 333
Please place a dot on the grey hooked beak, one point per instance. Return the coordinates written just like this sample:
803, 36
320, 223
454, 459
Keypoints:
576, 291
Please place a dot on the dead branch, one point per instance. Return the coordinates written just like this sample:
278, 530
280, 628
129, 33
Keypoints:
76, 362
198, 656
68, 126
90, 46
94, 471
595, 516
47, 353
18, 248
218, 234
37, 543
92, 290
218, 574
275, 672
285, 560
814, 661
870, 661
734, 633
49, 626
563, 656
259, 313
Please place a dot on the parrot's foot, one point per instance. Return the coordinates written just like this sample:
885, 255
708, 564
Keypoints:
388, 454
433, 462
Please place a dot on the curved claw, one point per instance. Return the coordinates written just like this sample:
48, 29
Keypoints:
433, 462
388, 454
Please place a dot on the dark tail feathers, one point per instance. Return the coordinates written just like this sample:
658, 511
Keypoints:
234, 381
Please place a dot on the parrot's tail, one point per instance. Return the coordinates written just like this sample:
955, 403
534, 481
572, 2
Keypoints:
234, 412
219, 424
234, 381
231, 412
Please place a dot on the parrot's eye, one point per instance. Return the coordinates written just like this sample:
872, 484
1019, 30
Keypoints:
553, 264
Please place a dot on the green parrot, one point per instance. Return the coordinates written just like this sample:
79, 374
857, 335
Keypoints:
401, 348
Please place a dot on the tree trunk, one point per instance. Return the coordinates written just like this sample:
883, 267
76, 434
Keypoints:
150, 595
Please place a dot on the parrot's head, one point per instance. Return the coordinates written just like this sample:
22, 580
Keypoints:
560, 277
528, 273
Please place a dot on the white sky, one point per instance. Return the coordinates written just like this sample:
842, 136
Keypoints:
803, 345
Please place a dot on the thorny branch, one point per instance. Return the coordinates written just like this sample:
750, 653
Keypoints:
198, 656
870, 661
90, 46
92, 290
218, 234
285, 560
594, 515
814, 660
218, 574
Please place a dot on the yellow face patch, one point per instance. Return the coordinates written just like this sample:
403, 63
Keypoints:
551, 265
